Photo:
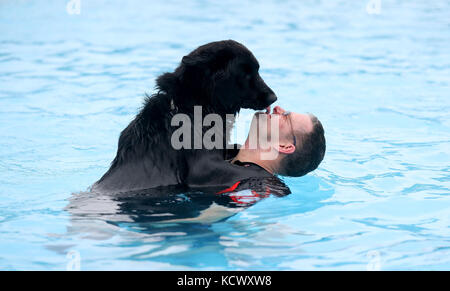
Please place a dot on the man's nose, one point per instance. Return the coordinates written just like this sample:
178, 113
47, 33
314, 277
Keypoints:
278, 110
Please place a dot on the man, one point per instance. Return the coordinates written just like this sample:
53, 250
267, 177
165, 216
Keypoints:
299, 149
279, 143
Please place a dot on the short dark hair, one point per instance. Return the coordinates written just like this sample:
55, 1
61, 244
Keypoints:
308, 154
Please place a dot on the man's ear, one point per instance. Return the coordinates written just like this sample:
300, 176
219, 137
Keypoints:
286, 148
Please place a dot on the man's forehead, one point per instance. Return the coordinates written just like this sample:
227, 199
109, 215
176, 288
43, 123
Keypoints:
302, 122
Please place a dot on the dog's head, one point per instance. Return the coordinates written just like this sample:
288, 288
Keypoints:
223, 75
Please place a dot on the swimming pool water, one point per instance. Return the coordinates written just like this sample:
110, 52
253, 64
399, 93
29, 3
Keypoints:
379, 82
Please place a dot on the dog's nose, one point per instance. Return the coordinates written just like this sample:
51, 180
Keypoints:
271, 98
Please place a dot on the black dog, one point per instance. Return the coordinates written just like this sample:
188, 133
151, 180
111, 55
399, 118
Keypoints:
220, 76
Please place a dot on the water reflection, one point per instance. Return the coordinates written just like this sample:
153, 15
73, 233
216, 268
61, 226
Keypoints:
153, 210
173, 228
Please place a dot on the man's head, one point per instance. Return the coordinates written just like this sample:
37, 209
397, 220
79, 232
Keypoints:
295, 141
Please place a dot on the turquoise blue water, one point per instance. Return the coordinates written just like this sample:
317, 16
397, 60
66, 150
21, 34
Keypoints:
379, 82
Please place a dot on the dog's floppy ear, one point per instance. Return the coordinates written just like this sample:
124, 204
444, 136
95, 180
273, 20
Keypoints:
210, 61
189, 60
199, 63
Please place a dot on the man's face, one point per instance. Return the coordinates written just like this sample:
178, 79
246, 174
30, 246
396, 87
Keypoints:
278, 129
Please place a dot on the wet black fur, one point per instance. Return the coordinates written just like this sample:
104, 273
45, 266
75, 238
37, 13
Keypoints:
220, 76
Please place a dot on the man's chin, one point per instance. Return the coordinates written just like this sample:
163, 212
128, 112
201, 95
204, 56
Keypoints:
258, 113
261, 116
261, 113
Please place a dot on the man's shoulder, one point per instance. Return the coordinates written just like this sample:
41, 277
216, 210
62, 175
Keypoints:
270, 184
249, 191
